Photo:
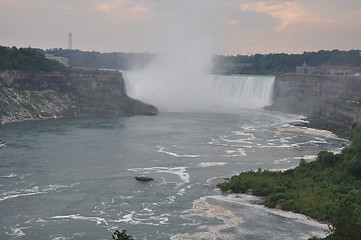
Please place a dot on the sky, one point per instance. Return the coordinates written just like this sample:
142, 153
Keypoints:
228, 27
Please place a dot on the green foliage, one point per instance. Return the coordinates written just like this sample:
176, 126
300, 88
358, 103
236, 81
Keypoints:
281, 62
327, 189
27, 59
114, 60
121, 235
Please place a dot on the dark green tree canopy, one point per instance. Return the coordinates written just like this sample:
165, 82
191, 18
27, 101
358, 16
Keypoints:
27, 59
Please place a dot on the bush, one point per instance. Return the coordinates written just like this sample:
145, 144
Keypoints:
121, 235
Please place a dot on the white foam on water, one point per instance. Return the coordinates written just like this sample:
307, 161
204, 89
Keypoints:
240, 133
289, 159
337, 150
39, 220
171, 199
127, 218
161, 150
239, 152
181, 192
227, 219
79, 217
282, 140
309, 157
211, 164
292, 159
32, 191
292, 145
243, 199
219, 179
217, 143
11, 175
16, 231
181, 172
241, 140
287, 127
58, 237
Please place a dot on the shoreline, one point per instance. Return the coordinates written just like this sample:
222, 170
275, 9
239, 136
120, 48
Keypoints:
260, 200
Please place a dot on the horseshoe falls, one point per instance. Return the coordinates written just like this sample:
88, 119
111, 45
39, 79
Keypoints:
207, 93
244, 91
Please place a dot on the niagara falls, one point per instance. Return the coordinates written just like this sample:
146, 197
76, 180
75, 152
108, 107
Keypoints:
180, 120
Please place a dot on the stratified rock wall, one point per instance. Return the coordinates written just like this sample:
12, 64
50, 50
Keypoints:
34, 81
41, 95
337, 98
291, 85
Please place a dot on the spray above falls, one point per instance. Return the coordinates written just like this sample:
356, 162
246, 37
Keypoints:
178, 79
211, 93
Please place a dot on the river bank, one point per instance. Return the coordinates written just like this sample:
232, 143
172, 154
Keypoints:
319, 189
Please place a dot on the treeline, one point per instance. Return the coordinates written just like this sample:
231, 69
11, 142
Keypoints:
281, 62
27, 59
114, 60
34, 60
328, 189
254, 64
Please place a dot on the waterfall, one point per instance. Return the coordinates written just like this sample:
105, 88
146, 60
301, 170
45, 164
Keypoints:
203, 93
244, 91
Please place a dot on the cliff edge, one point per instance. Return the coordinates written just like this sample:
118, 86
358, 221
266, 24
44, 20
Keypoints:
332, 98
28, 95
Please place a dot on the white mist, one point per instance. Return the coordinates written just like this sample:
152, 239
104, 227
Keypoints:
185, 42
179, 79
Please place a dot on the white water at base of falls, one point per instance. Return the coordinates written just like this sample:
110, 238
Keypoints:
208, 93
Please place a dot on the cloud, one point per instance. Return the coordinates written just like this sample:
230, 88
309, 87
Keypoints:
286, 12
231, 22
34, 3
118, 10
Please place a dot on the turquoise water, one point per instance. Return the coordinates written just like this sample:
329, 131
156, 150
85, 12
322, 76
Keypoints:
74, 178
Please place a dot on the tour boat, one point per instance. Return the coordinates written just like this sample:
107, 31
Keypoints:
2, 143
143, 178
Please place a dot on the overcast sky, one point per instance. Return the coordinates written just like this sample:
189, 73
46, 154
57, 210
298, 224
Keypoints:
225, 26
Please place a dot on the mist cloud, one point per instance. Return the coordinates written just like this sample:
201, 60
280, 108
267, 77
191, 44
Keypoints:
185, 41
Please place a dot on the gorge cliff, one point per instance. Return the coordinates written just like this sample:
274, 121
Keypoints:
28, 95
334, 98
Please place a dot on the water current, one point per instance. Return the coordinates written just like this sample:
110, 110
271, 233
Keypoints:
74, 178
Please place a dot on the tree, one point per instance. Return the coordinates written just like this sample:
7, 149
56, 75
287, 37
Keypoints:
121, 235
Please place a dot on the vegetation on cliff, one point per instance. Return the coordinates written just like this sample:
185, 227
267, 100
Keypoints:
39, 88
27, 59
328, 189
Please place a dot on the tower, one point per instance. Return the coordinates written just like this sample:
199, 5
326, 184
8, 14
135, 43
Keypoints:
70, 36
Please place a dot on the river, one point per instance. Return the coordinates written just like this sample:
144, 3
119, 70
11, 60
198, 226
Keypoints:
74, 178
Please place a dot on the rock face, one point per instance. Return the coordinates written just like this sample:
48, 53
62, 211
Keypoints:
40, 95
337, 98
291, 85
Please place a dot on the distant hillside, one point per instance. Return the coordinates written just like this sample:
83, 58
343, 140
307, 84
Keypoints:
27, 59
240, 64
282, 63
114, 60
